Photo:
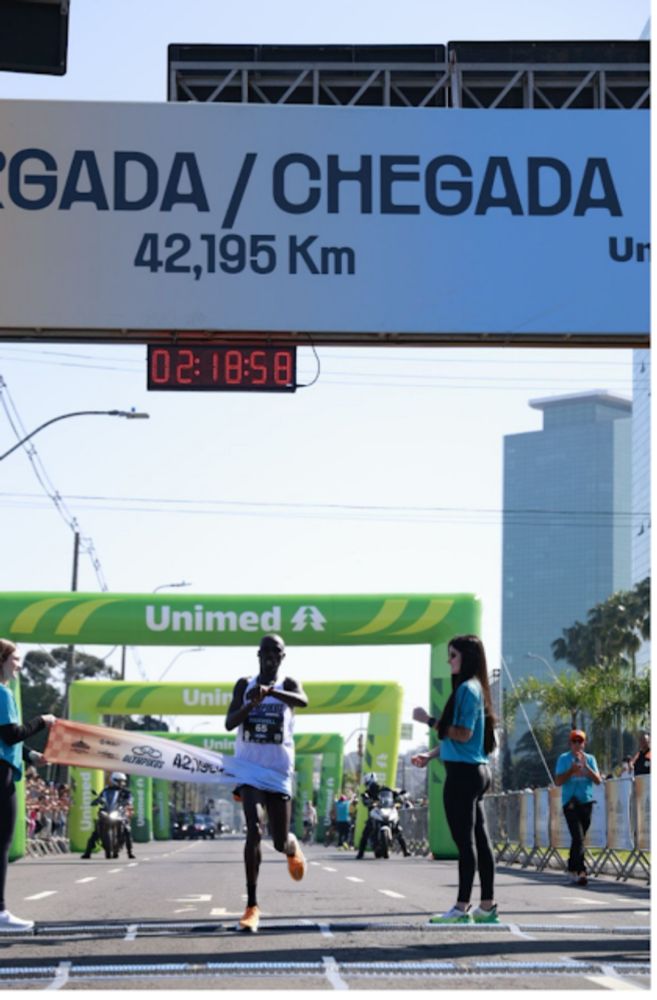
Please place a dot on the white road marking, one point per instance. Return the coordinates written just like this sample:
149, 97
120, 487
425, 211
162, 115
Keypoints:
390, 892
641, 913
516, 930
89, 878
324, 929
353, 878
185, 909
327, 869
201, 897
315, 863
333, 973
567, 916
42, 895
590, 902
131, 932
61, 976
613, 982
113, 871
133, 864
221, 911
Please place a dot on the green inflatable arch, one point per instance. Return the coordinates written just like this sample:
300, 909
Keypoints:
229, 620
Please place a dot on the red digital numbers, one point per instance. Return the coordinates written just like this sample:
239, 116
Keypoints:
159, 366
222, 367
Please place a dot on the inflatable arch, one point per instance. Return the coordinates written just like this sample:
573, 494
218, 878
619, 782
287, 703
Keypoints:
224, 620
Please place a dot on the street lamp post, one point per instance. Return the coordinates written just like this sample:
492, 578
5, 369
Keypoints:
178, 583
160, 586
181, 652
535, 656
129, 414
193, 649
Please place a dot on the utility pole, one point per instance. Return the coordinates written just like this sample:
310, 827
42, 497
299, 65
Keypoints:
70, 659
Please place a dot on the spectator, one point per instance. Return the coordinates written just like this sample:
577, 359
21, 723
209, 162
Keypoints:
626, 770
46, 808
309, 821
641, 759
342, 820
577, 772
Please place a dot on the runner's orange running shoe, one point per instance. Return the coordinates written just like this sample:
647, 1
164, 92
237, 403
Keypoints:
296, 864
250, 920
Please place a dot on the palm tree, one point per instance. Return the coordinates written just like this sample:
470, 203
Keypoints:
567, 696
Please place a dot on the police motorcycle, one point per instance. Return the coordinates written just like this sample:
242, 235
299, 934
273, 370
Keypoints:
112, 816
384, 820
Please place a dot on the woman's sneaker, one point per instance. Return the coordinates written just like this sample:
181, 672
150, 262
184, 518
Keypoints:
8, 922
453, 916
481, 916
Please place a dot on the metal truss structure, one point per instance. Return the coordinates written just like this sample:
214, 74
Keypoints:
483, 75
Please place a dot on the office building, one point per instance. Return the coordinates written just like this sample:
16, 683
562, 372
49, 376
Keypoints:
567, 542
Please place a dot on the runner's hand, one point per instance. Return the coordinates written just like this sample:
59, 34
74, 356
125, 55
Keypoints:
257, 693
49, 720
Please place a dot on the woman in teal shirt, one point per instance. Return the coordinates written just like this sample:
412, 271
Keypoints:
12, 735
466, 729
577, 772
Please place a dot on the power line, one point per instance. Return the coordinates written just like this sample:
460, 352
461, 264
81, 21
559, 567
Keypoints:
519, 516
50, 490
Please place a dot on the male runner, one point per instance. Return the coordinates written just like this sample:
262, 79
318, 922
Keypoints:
263, 709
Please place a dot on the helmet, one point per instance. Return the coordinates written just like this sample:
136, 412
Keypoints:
118, 778
369, 779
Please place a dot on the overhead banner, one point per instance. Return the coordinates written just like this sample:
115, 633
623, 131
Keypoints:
400, 221
234, 620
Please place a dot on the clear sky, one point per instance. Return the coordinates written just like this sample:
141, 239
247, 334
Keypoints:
385, 476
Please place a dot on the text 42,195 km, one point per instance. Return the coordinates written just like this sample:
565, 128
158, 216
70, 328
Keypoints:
232, 253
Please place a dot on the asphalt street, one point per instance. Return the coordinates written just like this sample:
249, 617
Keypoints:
167, 921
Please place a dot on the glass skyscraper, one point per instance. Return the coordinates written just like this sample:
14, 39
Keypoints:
641, 526
568, 526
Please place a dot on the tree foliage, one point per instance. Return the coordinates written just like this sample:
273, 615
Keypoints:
43, 683
604, 695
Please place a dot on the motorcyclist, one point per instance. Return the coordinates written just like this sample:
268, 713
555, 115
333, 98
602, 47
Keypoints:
368, 797
115, 795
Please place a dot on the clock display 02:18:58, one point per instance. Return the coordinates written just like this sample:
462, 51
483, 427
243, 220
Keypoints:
236, 368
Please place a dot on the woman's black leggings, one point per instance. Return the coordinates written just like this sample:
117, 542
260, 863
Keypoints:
7, 822
465, 785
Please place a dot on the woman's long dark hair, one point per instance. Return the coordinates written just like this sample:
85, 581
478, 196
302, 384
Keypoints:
473, 664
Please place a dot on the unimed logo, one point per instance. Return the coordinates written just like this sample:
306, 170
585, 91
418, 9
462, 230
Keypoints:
202, 619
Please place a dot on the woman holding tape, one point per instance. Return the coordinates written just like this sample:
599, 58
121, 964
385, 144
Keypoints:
466, 730
12, 755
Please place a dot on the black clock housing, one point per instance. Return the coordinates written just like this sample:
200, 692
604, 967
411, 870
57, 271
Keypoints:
222, 367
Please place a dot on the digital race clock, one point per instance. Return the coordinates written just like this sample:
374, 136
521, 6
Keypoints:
222, 367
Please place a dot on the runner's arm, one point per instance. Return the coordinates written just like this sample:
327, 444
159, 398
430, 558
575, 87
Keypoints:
237, 710
293, 695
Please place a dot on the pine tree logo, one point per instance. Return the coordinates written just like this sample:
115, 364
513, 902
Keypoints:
308, 617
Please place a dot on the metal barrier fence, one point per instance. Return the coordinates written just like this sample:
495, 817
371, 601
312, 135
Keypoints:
529, 827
